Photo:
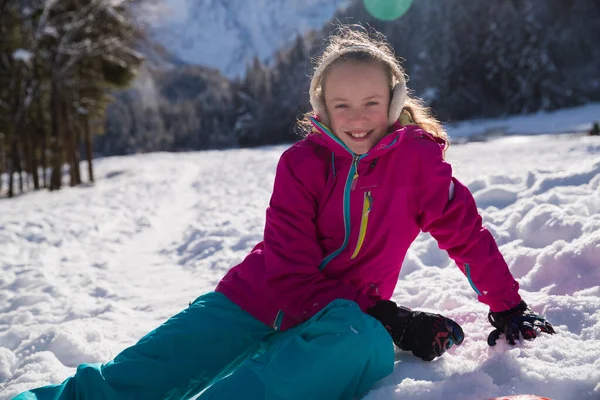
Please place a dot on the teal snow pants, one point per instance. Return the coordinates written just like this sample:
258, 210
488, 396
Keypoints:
215, 348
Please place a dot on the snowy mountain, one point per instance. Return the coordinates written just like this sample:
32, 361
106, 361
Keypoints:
227, 34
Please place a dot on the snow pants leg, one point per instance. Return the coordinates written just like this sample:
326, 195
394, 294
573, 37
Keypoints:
175, 361
336, 355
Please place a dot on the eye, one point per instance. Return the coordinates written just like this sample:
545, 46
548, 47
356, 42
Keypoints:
372, 103
341, 106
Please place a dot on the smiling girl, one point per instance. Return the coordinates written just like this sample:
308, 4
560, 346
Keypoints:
307, 314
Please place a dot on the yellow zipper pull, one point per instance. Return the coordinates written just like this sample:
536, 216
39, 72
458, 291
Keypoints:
355, 177
367, 205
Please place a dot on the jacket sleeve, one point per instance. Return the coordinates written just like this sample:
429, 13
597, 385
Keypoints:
292, 251
447, 210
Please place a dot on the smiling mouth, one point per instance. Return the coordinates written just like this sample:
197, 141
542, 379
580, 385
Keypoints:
358, 135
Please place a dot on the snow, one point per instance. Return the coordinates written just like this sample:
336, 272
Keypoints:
22, 55
567, 120
86, 271
228, 34
51, 31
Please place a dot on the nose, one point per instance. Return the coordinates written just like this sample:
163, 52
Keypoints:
357, 116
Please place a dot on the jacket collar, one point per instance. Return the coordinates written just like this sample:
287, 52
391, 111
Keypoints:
323, 136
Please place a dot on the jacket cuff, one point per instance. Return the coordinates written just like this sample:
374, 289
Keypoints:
511, 300
365, 302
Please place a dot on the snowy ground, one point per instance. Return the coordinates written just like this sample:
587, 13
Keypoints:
87, 271
566, 120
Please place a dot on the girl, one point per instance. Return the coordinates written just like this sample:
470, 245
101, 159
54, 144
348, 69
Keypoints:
307, 315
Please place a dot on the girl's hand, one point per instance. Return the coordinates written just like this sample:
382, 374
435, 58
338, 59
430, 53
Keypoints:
518, 321
429, 335
426, 335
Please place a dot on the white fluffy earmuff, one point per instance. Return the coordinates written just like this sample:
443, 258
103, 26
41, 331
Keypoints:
398, 92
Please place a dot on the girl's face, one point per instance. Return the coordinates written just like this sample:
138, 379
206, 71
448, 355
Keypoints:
357, 98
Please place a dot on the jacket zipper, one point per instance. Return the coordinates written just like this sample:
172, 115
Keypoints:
277, 322
355, 177
351, 182
364, 221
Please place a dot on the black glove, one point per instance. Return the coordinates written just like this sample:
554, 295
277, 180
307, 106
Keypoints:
519, 319
427, 335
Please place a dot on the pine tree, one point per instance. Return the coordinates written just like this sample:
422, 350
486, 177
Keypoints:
63, 56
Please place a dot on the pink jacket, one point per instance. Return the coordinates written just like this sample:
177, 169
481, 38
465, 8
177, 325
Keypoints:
338, 226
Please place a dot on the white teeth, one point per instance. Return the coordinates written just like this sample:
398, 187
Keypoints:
359, 134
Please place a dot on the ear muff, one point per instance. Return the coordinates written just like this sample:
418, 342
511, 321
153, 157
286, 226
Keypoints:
397, 102
398, 98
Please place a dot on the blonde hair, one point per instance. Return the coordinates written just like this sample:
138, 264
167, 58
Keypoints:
355, 43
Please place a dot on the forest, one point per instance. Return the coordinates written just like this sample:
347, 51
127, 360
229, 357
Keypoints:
75, 83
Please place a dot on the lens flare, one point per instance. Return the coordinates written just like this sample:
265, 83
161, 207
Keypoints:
387, 10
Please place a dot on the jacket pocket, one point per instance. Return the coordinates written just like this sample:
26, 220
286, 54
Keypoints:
364, 221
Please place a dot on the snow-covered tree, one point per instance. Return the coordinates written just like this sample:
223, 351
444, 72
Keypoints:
58, 59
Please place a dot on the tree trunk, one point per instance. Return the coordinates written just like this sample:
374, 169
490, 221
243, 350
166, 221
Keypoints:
15, 161
2, 160
25, 161
30, 160
14, 132
44, 150
34, 161
77, 151
70, 145
10, 183
41, 132
89, 153
18, 159
11, 166
68, 142
15, 167
55, 144
19, 168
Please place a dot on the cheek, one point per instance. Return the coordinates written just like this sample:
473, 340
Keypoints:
338, 117
379, 114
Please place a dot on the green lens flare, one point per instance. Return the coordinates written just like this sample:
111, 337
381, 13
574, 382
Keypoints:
387, 10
